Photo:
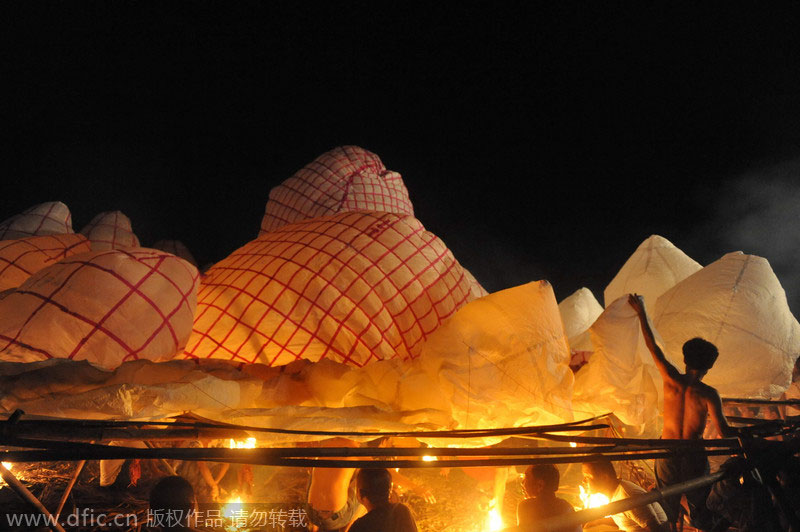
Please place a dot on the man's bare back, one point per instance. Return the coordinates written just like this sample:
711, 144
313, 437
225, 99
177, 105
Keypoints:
687, 405
329, 486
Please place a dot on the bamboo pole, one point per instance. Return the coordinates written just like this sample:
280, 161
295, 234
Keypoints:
278, 457
316, 452
792, 402
78, 424
29, 497
68, 489
717, 442
571, 520
60, 432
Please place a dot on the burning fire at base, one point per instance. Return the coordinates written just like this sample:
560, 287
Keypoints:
234, 508
9, 466
593, 500
249, 443
494, 521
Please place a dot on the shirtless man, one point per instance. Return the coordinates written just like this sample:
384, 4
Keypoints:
688, 403
332, 498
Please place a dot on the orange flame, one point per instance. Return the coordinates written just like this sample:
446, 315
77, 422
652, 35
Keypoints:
593, 500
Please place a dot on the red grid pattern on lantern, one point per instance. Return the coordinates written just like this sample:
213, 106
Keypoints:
21, 258
354, 287
113, 304
110, 230
345, 179
51, 218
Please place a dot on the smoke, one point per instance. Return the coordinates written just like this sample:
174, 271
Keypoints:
759, 214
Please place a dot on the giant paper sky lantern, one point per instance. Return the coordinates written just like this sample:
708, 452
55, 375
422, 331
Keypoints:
655, 267
345, 179
579, 311
620, 376
500, 361
21, 258
738, 304
106, 307
354, 287
51, 218
110, 230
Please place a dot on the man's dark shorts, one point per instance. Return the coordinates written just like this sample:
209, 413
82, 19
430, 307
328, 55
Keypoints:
678, 469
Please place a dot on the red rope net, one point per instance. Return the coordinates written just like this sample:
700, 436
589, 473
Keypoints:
347, 178
107, 307
51, 218
353, 287
21, 258
110, 230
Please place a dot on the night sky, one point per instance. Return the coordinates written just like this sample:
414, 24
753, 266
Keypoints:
539, 141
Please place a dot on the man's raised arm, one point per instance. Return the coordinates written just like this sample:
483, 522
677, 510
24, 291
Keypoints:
667, 370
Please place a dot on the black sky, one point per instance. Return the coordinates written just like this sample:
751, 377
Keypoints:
537, 140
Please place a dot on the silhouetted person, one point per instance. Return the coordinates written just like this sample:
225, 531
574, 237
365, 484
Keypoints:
600, 477
540, 485
688, 403
374, 487
172, 505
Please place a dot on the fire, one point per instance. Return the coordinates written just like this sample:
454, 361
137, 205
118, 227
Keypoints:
7, 465
233, 508
236, 515
593, 500
494, 521
428, 458
573, 444
249, 443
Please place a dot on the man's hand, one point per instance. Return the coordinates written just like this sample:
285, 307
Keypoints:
637, 302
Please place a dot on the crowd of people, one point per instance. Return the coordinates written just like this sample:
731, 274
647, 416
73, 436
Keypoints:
347, 499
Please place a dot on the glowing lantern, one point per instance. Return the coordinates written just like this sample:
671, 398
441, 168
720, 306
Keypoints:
103, 306
655, 267
738, 304
353, 287
621, 376
51, 218
345, 179
579, 311
21, 258
500, 361
110, 230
